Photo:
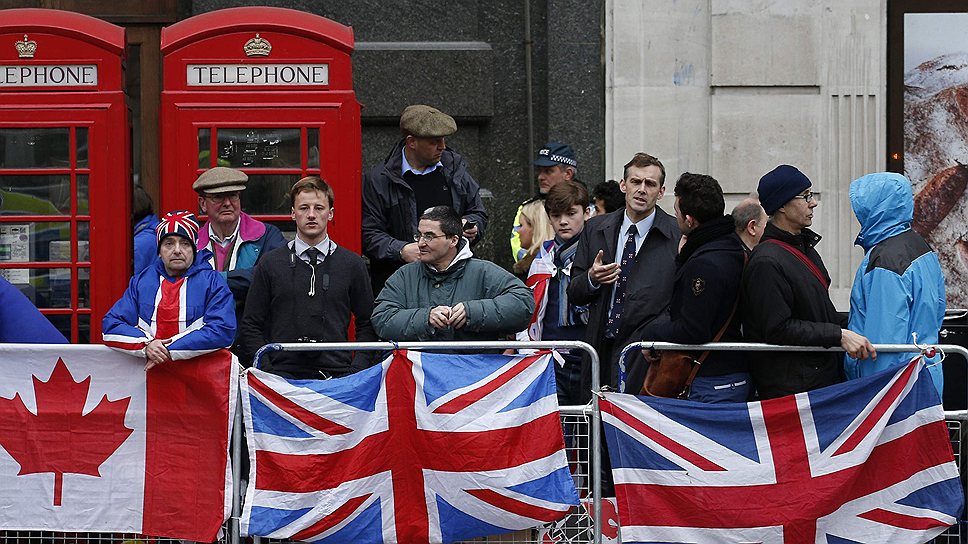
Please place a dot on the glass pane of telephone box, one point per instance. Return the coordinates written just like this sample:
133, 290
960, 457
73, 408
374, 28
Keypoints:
259, 147
83, 202
61, 322
83, 287
204, 149
35, 147
45, 287
35, 195
268, 194
312, 143
83, 329
35, 241
83, 241
80, 133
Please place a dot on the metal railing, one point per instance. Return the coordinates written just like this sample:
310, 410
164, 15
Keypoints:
584, 450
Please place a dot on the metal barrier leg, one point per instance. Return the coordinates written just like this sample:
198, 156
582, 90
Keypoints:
234, 536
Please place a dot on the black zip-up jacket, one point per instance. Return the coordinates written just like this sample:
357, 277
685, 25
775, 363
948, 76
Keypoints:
785, 303
705, 293
390, 214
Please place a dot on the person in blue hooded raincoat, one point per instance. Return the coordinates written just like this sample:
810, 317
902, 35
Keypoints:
899, 286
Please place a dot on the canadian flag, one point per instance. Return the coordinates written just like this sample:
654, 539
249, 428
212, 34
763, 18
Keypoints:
91, 442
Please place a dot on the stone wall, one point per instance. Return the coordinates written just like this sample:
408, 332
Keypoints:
733, 88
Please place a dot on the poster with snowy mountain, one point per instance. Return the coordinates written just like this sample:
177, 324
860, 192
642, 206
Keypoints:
936, 138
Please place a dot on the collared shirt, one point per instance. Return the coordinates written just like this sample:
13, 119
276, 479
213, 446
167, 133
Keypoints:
325, 247
643, 227
222, 248
405, 166
213, 236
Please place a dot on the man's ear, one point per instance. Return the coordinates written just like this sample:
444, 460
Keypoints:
751, 226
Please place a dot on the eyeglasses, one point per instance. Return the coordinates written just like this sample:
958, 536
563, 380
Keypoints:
808, 197
427, 237
222, 197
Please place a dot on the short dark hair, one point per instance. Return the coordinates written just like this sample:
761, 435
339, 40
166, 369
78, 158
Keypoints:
746, 211
700, 196
449, 219
611, 194
311, 183
643, 160
564, 195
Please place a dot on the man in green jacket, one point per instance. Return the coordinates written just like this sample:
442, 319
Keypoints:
447, 294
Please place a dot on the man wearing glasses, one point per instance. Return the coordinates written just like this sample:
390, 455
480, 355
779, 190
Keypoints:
235, 239
446, 294
785, 294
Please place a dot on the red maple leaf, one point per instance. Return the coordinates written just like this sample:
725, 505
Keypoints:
60, 438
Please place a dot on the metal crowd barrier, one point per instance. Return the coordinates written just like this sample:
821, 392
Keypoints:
957, 429
580, 524
584, 449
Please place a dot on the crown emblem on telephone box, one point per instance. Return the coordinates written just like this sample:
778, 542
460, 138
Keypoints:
26, 48
257, 47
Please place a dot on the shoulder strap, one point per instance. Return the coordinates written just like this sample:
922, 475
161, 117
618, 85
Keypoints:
722, 331
803, 259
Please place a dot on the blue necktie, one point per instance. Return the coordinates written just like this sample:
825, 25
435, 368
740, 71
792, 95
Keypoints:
628, 257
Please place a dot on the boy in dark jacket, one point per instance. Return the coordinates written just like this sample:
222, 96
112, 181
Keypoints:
307, 291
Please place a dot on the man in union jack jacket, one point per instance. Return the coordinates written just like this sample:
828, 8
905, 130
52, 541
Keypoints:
177, 308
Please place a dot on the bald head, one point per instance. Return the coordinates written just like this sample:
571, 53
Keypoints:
749, 218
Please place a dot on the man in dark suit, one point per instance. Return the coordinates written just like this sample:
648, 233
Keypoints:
626, 275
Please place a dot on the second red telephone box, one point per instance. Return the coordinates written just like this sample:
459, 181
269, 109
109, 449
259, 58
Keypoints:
268, 91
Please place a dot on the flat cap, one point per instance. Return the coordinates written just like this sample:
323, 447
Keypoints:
426, 122
220, 180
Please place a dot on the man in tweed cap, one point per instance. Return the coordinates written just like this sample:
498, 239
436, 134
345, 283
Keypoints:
420, 172
236, 240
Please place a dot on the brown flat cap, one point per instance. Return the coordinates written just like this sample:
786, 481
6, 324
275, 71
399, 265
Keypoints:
220, 180
426, 122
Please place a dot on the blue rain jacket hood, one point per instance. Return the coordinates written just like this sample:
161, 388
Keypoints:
899, 287
884, 206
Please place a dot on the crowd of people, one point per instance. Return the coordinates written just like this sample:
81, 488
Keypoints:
607, 266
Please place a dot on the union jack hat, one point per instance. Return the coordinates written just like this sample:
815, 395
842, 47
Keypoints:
181, 223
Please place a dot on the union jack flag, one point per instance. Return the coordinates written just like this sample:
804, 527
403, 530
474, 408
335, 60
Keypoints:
863, 461
422, 448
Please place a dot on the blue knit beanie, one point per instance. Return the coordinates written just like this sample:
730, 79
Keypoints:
779, 186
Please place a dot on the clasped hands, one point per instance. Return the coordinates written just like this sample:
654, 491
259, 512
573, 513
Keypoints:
156, 352
442, 317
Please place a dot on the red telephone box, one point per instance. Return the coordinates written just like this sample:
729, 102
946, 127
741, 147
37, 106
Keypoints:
65, 185
268, 91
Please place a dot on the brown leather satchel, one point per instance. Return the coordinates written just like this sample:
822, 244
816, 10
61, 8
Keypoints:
671, 373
